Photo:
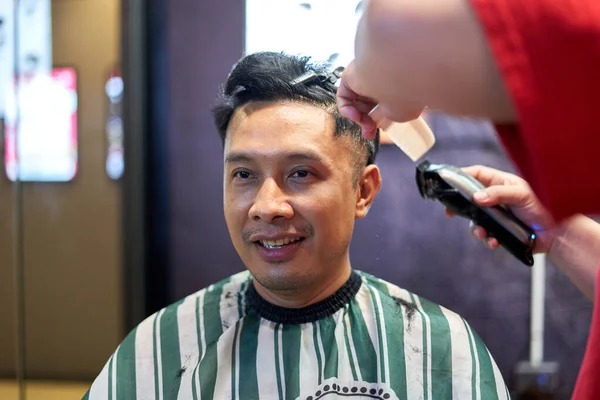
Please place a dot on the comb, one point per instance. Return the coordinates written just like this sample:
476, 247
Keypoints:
414, 138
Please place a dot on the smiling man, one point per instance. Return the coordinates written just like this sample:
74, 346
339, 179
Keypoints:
300, 323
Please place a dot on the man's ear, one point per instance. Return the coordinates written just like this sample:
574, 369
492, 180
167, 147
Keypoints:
369, 183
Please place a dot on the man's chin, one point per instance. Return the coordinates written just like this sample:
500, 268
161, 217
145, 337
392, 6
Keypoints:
281, 278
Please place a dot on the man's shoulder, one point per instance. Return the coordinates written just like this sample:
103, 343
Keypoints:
230, 284
437, 316
435, 330
178, 327
212, 296
422, 317
214, 300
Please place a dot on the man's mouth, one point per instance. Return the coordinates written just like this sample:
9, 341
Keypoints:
278, 244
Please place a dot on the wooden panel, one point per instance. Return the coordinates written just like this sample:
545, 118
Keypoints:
72, 235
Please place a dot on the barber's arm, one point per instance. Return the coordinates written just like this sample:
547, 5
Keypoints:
530, 67
413, 53
576, 250
573, 245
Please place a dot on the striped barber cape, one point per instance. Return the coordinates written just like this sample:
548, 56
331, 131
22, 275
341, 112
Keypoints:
370, 340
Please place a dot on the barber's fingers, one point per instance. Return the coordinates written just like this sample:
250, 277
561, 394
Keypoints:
480, 233
517, 195
491, 176
450, 213
353, 105
357, 110
353, 112
368, 127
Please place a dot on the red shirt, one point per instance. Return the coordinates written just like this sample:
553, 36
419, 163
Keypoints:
548, 52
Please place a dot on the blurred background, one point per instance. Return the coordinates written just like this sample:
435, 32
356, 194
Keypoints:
111, 186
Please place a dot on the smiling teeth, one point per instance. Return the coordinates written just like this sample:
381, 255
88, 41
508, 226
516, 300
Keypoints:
277, 243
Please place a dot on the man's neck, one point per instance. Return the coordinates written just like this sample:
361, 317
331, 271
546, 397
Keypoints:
306, 296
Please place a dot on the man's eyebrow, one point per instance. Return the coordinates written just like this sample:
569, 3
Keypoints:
238, 157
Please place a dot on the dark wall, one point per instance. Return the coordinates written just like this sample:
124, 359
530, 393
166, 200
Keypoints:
205, 40
404, 239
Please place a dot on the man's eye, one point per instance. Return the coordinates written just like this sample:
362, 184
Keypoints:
242, 175
300, 174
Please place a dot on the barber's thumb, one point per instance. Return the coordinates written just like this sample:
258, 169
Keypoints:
398, 115
510, 195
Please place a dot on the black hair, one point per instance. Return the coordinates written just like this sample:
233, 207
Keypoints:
269, 76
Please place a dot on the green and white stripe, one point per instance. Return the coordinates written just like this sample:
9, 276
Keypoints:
158, 361
499, 382
99, 389
278, 361
208, 346
265, 357
351, 348
383, 372
328, 345
415, 350
311, 355
113, 376
476, 394
460, 341
427, 350
225, 365
367, 307
248, 375
145, 360
187, 315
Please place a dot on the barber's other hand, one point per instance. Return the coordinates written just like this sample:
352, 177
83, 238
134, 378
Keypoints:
514, 192
353, 105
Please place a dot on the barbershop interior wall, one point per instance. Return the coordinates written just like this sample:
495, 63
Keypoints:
404, 239
71, 231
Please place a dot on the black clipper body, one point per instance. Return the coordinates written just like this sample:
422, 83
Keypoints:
454, 188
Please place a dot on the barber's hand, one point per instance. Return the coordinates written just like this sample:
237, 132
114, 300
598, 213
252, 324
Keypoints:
353, 105
513, 192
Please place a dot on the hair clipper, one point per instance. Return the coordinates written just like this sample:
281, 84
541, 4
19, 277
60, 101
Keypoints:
455, 189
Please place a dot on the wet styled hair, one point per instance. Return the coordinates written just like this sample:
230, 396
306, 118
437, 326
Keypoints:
269, 77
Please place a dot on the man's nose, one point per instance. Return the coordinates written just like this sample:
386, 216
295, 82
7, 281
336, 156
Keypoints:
271, 202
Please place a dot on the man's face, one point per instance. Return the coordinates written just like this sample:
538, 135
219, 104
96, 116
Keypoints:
290, 199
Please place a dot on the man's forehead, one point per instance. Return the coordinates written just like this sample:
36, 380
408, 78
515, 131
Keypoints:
280, 113
284, 131
284, 125
295, 155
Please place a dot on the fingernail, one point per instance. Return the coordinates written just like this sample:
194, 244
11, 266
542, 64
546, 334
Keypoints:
479, 234
480, 196
368, 133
